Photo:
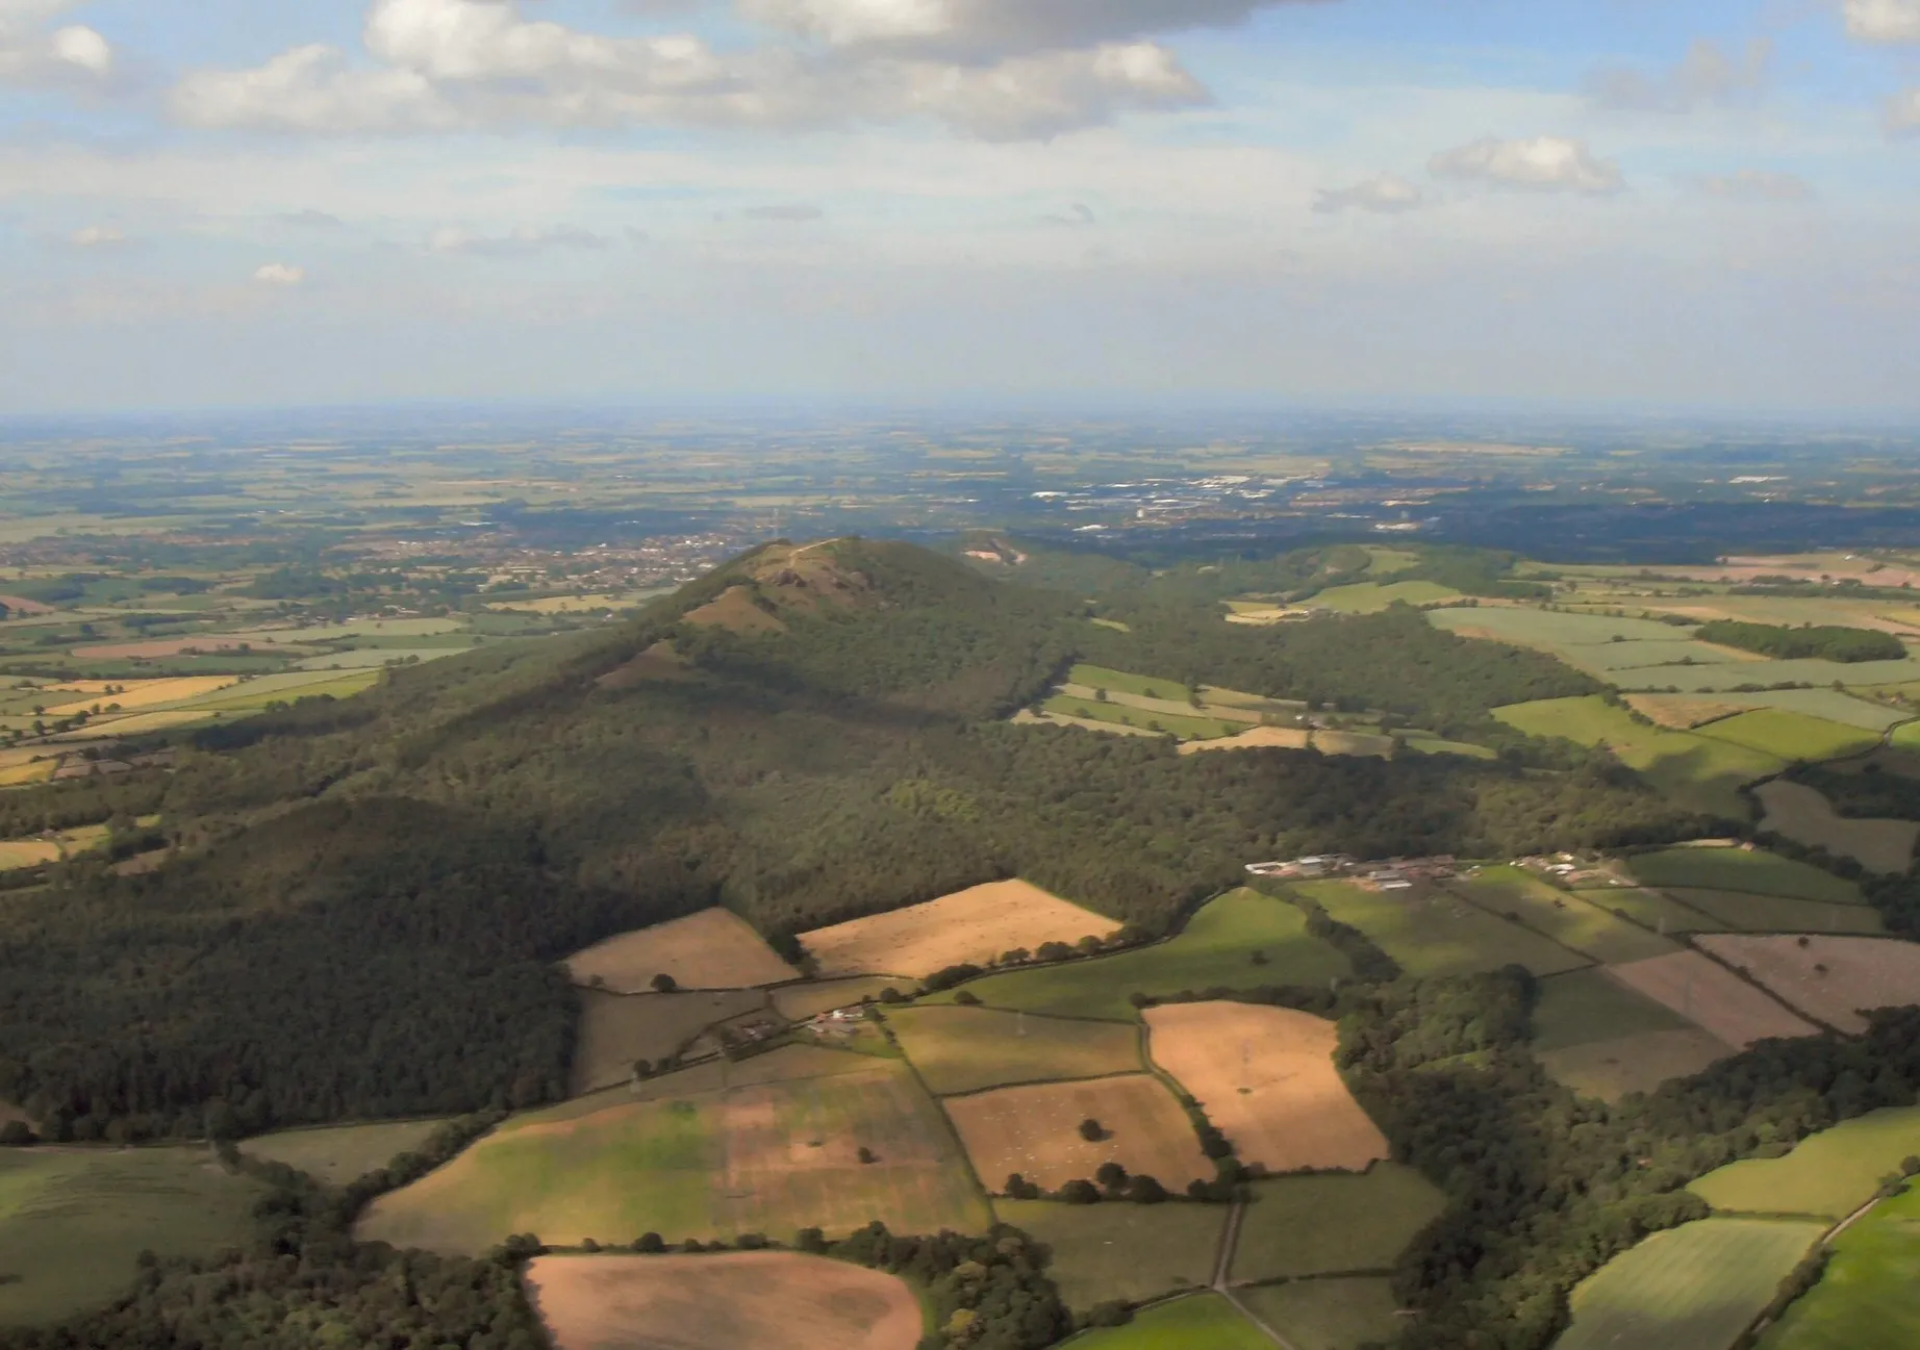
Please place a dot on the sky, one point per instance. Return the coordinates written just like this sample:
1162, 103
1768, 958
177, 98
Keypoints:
223, 202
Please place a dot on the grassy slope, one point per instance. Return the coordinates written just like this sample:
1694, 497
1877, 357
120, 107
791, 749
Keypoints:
1567, 919
1791, 735
1132, 1252
341, 1153
1868, 1298
1204, 1322
1333, 1224
72, 1223
1695, 1287
970, 1049
1440, 934
1693, 770
1732, 869
1216, 948
1342, 1314
1584, 1007
1827, 1176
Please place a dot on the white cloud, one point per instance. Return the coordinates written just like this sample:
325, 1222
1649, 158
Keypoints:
796, 212
1884, 20
1538, 163
976, 30
280, 274
1755, 185
1384, 193
313, 89
1903, 112
30, 53
514, 244
1706, 76
97, 236
445, 64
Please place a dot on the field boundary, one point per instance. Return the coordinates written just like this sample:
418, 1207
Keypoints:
1591, 960
1032, 1082
940, 1106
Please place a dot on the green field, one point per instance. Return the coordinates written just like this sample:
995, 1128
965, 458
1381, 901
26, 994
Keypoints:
1583, 1007
1217, 948
1651, 909
1567, 919
1828, 1175
1133, 1252
1371, 597
1696, 1287
1801, 813
1203, 1322
341, 1153
1333, 1223
72, 1223
1561, 633
1428, 744
1729, 676
1868, 1298
1121, 682
1339, 1314
758, 1156
1740, 912
1693, 770
1438, 933
1184, 726
617, 1029
1791, 735
1733, 869
971, 1049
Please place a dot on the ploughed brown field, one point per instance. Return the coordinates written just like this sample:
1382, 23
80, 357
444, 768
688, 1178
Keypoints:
1829, 978
728, 1301
1035, 1130
714, 949
1711, 996
1265, 1078
975, 925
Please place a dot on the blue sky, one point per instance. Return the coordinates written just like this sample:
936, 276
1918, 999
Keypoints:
1627, 201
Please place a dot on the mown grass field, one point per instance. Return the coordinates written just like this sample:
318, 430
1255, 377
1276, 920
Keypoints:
1828, 1175
1333, 1224
969, 1049
1739, 912
1868, 1298
1217, 948
760, 1156
1124, 682
1339, 1314
1182, 725
1651, 909
1604, 1040
341, 1153
1202, 1322
1695, 1287
1791, 735
1132, 1252
73, 1223
1438, 933
1730, 676
1733, 869
1691, 769
1801, 813
1566, 918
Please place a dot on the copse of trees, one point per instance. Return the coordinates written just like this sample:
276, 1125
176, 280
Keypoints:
1827, 642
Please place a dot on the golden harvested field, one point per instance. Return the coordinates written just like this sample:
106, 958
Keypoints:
736, 1300
617, 1029
1035, 1131
1829, 978
1265, 1078
134, 694
714, 949
50, 848
1711, 996
1259, 738
1801, 813
121, 651
974, 925
1682, 712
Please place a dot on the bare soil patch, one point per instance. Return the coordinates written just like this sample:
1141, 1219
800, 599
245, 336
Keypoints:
974, 925
1830, 978
736, 612
714, 949
1712, 997
1035, 1131
1259, 738
1265, 1078
736, 1300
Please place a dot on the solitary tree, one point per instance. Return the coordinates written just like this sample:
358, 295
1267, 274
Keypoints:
664, 983
1091, 1130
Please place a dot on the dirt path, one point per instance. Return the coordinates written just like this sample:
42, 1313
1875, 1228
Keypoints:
1222, 1275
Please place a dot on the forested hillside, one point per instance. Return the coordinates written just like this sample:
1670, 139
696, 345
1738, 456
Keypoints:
365, 898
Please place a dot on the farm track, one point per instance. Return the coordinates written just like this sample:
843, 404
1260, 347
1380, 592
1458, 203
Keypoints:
1223, 1267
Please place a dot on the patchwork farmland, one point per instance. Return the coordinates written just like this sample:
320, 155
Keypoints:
740, 1300
1265, 1079
959, 1050
1831, 979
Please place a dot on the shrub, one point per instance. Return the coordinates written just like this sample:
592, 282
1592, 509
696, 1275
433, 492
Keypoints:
1092, 1131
